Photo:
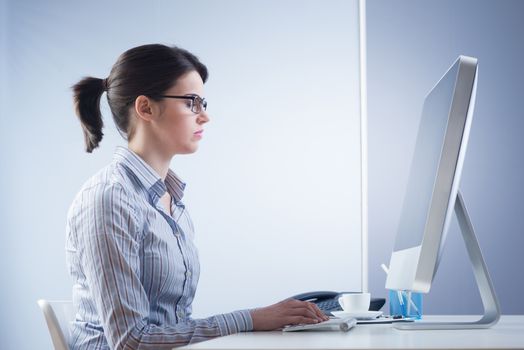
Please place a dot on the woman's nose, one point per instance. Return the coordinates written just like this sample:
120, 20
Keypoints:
203, 117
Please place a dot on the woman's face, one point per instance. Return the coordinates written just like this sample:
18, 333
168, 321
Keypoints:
178, 128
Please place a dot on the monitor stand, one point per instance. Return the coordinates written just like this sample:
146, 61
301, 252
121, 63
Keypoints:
487, 292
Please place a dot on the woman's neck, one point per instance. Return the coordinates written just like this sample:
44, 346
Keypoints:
152, 157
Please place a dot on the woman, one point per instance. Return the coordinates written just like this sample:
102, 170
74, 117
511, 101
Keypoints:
129, 238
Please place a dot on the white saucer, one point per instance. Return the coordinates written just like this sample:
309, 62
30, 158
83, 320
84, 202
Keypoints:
366, 315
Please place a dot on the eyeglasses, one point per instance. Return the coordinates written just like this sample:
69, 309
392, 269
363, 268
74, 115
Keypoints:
198, 104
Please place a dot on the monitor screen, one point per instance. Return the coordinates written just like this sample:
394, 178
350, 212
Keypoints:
424, 165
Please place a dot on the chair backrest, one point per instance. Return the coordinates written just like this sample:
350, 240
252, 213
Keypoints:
58, 315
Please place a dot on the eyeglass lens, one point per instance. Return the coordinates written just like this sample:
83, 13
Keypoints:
198, 104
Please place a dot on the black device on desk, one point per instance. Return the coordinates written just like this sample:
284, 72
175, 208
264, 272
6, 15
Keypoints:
327, 301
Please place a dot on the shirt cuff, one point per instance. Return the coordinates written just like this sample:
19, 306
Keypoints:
235, 322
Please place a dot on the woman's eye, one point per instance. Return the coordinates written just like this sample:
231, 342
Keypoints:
189, 103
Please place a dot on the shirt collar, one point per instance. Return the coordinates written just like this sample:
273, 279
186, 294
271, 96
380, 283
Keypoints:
148, 177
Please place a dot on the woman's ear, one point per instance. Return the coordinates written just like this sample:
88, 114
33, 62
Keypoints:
144, 108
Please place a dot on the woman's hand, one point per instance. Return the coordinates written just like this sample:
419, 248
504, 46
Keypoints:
286, 312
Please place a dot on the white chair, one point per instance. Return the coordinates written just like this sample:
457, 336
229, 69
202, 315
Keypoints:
58, 315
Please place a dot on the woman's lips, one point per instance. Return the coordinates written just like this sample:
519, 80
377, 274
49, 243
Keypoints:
198, 133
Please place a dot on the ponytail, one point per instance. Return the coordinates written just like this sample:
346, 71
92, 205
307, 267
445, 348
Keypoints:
86, 95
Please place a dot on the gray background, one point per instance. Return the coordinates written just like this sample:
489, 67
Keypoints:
410, 45
275, 182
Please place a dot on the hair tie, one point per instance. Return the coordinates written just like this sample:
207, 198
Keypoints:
105, 84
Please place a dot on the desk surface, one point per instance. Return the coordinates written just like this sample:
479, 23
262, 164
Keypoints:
507, 334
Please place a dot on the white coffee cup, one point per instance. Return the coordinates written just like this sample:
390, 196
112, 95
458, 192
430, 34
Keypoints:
355, 302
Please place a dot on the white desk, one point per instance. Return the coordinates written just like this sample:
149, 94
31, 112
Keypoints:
507, 334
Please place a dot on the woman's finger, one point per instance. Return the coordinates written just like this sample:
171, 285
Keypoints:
303, 310
300, 320
313, 310
318, 312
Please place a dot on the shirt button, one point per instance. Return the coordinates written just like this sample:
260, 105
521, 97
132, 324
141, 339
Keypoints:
188, 274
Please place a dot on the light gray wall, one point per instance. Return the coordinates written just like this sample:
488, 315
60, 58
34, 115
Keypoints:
274, 190
410, 45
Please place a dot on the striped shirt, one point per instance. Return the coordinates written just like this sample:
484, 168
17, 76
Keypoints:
134, 266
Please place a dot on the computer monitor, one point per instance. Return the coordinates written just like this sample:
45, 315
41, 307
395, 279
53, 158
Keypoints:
432, 195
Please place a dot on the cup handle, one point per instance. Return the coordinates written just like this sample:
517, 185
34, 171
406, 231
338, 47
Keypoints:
341, 303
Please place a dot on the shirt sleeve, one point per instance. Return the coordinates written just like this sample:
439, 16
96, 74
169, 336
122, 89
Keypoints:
108, 237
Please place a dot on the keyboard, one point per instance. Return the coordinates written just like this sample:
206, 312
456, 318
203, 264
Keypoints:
329, 305
334, 324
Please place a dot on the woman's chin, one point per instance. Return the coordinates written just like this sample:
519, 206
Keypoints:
189, 149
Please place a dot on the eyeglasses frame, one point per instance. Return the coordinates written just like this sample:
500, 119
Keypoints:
203, 102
